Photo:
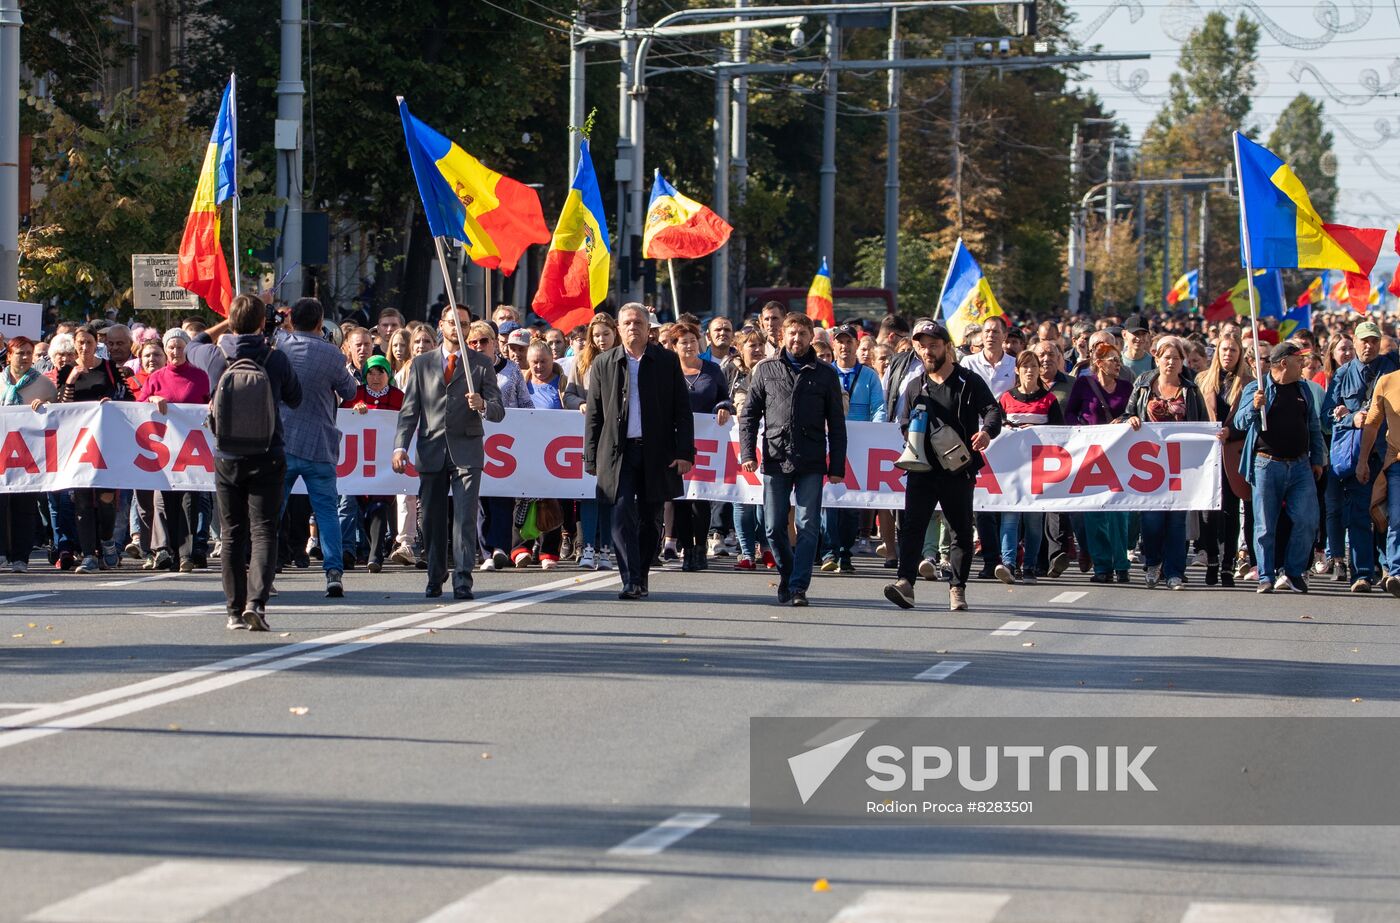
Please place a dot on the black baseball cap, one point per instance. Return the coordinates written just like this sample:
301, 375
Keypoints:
933, 329
1135, 324
847, 330
1284, 350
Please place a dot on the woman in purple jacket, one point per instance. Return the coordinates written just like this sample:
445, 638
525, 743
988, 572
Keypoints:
1099, 396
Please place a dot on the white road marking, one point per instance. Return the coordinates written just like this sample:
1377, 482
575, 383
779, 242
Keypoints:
1255, 913
163, 575
669, 831
843, 728
1068, 596
923, 907
11, 706
943, 669
25, 598
219, 609
540, 899
170, 892
235, 670
1011, 629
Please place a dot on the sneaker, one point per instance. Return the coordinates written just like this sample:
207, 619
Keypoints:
164, 561
520, 557
19, 567
1086, 563
1392, 586
1285, 582
90, 565
218, 551
488, 564
891, 564
1341, 573
1361, 586
236, 622
375, 565
588, 558
1199, 559
799, 598
111, 557
404, 555
882, 549
957, 599
1264, 586
928, 569
1058, 564
829, 566
149, 563
335, 589
64, 561
605, 560
548, 562
844, 566
716, 546
186, 566
1251, 573
1121, 576
768, 561
731, 543
133, 551
943, 570
256, 618
901, 593
862, 546
744, 563
1152, 575
1004, 574
1323, 565
566, 548
1101, 578
1134, 556
1030, 579
669, 553
1175, 583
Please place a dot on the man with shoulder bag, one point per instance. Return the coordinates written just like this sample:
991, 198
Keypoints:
949, 401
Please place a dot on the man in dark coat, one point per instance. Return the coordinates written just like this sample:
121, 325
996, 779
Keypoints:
639, 440
446, 413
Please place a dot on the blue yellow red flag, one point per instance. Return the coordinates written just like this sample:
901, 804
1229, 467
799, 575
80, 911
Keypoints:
1185, 287
820, 307
495, 216
1268, 289
1312, 294
966, 298
575, 275
202, 268
678, 227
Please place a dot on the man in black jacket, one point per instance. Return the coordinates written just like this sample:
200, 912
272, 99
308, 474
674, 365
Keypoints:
957, 398
639, 440
797, 399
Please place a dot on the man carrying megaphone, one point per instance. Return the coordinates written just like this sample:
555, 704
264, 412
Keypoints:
959, 418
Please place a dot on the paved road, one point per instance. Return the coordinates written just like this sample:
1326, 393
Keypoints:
548, 754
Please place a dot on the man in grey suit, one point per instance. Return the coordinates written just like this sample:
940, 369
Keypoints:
447, 416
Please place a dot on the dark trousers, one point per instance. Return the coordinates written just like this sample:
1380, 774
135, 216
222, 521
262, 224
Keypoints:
692, 523
634, 520
1221, 535
953, 494
378, 515
95, 517
176, 520
989, 531
17, 514
464, 487
249, 496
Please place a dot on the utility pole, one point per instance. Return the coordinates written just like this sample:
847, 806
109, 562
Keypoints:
1109, 202
10, 23
739, 162
1166, 242
288, 142
578, 81
1142, 249
1185, 229
626, 151
1075, 269
955, 119
826, 237
890, 278
719, 263
1201, 243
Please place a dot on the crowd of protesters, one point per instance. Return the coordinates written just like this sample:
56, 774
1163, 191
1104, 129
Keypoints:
1310, 486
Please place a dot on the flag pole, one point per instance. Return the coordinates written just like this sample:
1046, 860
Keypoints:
1259, 360
233, 121
675, 290
452, 303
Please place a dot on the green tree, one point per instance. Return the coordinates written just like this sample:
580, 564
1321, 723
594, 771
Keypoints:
120, 187
1215, 70
71, 46
919, 281
1300, 139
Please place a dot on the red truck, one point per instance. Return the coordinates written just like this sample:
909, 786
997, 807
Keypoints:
869, 304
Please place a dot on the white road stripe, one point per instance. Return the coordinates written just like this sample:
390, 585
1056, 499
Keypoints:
238, 670
843, 728
923, 907
943, 669
540, 899
219, 609
1011, 629
11, 706
25, 598
672, 830
163, 575
171, 892
1068, 596
233, 663
1201, 912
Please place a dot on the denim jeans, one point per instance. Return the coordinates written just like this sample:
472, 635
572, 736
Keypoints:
839, 532
1349, 524
1276, 484
595, 518
1392, 529
350, 521
1035, 532
319, 478
747, 529
1164, 541
794, 564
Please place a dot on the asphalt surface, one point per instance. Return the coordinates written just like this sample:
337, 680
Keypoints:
390, 758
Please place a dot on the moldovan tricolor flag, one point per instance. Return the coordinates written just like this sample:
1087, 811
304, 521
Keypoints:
575, 275
1185, 287
966, 298
819, 305
202, 268
495, 216
678, 227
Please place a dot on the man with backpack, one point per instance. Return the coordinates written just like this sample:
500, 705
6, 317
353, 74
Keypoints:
313, 442
249, 460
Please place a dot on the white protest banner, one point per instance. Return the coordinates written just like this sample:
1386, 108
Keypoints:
21, 319
539, 453
155, 283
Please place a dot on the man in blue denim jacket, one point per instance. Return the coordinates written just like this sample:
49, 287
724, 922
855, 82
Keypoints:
1282, 460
